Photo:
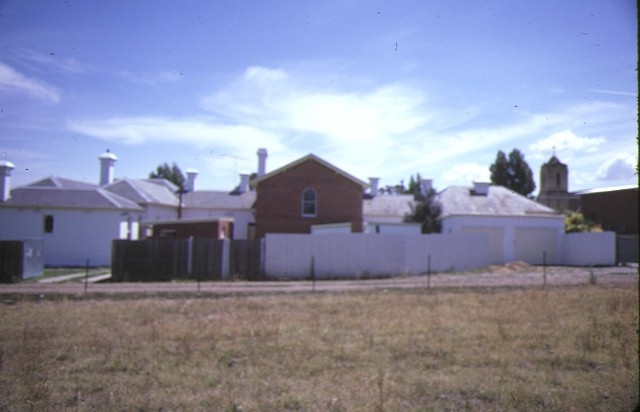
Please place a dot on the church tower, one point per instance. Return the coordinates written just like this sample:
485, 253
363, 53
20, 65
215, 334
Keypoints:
554, 186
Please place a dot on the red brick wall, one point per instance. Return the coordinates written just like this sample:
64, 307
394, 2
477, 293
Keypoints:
615, 210
279, 200
184, 230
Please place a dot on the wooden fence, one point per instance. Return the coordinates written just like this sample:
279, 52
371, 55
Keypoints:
154, 260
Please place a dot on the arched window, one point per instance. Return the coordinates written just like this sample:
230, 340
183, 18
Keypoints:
309, 203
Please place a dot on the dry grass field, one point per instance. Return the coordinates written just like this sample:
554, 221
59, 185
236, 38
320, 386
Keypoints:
561, 348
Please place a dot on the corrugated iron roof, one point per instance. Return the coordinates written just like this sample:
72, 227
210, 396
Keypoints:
144, 192
217, 199
388, 206
63, 197
61, 182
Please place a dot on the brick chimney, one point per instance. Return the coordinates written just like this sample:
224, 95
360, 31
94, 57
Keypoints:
5, 179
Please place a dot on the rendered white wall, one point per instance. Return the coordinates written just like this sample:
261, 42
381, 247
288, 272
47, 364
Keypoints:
77, 235
508, 227
587, 249
356, 254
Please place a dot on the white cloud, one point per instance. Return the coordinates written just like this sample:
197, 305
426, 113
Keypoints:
13, 80
622, 166
464, 174
388, 130
567, 140
63, 64
200, 132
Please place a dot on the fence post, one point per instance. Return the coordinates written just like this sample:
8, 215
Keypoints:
428, 271
544, 268
86, 277
312, 273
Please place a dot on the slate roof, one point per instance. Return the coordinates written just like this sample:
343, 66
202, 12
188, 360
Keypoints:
218, 199
388, 206
500, 201
145, 192
68, 197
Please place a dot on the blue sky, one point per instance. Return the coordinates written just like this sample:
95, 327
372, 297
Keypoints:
378, 88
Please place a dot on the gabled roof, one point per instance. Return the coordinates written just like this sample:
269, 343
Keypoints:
217, 199
499, 201
144, 192
61, 182
388, 206
73, 198
309, 158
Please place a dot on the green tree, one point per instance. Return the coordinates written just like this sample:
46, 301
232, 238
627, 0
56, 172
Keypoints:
171, 173
576, 222
426, 212
513, 173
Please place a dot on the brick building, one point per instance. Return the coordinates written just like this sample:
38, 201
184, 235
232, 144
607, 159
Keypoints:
307, 192
615, 208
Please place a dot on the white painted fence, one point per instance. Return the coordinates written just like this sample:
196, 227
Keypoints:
362, 255
365, 255
588, 249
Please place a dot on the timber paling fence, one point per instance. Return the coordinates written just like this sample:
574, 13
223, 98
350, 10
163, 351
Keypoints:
155, 260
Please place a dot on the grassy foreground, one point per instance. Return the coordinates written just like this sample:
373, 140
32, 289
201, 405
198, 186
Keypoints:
536, 349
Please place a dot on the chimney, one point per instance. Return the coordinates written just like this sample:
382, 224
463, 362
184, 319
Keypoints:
373, 186
481, 188
425, 187
5, 179
191, 179
244, 183
262, 162
107, 160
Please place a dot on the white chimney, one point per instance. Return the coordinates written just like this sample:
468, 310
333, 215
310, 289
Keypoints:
425, 186
191, 179
373, 186
5, 179
244, 182
107, 160
481, 188
262, 162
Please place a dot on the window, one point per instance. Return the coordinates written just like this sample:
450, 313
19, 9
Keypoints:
48, 224
309, 203
557, 179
